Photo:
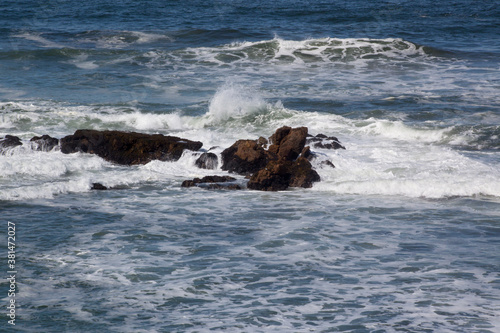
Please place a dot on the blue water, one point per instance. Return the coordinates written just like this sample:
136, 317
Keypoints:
403, 235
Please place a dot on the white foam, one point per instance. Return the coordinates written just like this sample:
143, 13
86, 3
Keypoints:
80, 61
37, 37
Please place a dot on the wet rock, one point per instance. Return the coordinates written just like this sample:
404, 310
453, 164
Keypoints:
44, 143
281, 174
287, 142
327, 163
324, 142
245, 157
212, 182
207, 161
128, 148
98, 187
9, 141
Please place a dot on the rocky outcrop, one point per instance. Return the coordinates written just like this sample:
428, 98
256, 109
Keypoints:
9, 141
207, 161
44, 143
213, 182
127, 148
286, 163
245, 157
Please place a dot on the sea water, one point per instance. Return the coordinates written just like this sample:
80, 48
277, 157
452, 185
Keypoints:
403, 235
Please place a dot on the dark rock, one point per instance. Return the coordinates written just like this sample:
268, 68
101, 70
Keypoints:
127, 148
281, 174
327, 163
207, 161
98, 186
9, 141
44, 143
245, 157
324, 142
303, 175
307, 153
287, 142
214, 182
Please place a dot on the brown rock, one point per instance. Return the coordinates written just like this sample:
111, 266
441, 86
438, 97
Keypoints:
279, 175
127, 148
288, 142
274, 177
245, 157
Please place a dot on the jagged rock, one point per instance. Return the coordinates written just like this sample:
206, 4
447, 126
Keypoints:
288, 142
207, 161
214, 182
324, 142
44, 143
9, 141
98, 187
327, 163
279, 175
127, 148
245, 157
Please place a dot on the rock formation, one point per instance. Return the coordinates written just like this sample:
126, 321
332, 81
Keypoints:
285, 164
127, 148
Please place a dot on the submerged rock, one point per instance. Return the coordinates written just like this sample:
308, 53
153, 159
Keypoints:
207, 161
98, 187
127, 148
9, 141
44, 143
212, 182
324, 142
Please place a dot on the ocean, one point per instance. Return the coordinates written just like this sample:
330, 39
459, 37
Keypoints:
403, 235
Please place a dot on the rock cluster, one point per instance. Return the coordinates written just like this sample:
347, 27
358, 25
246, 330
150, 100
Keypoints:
284, 164
271, 165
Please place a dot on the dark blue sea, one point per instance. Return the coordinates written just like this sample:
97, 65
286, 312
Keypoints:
403, 235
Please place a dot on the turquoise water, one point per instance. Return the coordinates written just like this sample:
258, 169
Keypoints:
401, 236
